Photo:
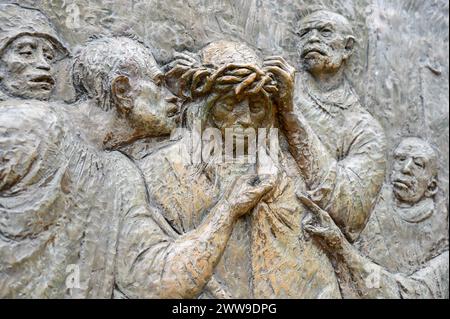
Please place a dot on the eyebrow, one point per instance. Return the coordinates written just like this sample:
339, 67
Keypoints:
316, 25
30, 42
415, 157
46, 46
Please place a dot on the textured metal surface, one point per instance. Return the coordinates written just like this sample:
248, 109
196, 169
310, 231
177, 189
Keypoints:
358, 206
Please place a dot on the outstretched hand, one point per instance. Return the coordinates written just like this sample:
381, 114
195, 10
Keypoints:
321, 226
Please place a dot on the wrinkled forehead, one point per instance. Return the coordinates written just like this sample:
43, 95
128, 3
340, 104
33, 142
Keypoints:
415, 148
320, 19
33, 41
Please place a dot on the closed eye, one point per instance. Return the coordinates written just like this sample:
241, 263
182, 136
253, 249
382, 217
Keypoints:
419, 164
326, 32
26, 53
303, 32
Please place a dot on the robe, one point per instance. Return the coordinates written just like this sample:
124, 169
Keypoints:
61, 204
267, 256
403, 240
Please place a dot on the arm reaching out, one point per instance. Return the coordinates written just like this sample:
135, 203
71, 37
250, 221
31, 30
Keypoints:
154, 264
346, 187
361, 278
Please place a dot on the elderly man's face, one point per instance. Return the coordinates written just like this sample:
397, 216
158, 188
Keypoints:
155, 107
325, 42
149, 106
26, 68
413, 174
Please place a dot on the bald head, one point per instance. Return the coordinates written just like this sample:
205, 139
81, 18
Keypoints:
318, 17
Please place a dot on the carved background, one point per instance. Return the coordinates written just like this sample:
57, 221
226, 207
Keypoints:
400, 69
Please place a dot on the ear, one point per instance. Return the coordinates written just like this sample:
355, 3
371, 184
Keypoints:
121, 92
349, 46
432, 188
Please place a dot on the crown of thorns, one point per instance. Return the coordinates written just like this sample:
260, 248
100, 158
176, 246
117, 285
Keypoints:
191, 79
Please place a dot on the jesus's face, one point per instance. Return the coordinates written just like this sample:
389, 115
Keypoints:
240, 113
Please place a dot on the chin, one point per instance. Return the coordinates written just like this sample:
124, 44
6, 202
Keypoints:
314, 65
405, 197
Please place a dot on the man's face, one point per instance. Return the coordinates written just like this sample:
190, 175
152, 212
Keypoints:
155, 111
413, 172
26, 68
240, 113
324, 42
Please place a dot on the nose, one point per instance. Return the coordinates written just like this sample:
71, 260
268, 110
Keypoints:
406, 169
243, 114
42, 63
314, 37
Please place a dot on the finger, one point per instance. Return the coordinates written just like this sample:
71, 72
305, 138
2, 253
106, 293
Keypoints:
267, 178
313, 207
276, 57
185, 55
251, 67
187, 75
271, 88
223, 87
180, 62
276, 63
260, 85
264, 186
229, 79
175, 72
249, 80
278, 72
266, 164
240, 72
199, 73
284, 67
198, 76
308, 220
315, 231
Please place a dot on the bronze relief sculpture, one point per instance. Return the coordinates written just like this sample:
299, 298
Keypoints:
225, 171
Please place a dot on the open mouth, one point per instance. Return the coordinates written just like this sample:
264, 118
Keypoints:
402, 184
46, 82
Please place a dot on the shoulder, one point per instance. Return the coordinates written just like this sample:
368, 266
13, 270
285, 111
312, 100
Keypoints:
170, 153
31, 134
364, 121
29, 115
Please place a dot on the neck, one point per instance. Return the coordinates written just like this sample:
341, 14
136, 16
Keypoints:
104, 129
328, 81
416, 212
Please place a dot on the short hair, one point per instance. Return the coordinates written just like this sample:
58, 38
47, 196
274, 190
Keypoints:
102, 59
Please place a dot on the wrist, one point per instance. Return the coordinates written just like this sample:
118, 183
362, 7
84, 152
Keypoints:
224, 207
